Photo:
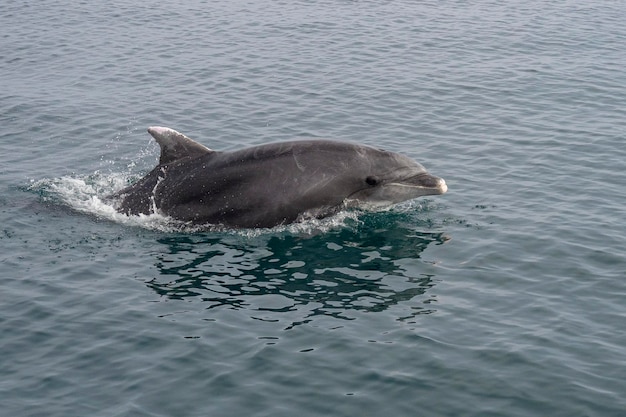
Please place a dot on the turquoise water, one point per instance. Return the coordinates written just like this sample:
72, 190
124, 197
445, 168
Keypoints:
503, 297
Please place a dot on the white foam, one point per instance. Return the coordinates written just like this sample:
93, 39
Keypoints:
87, 194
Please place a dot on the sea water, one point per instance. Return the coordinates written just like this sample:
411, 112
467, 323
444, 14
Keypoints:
504, 297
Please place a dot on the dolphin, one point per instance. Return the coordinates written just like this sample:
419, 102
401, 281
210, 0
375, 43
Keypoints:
272, 184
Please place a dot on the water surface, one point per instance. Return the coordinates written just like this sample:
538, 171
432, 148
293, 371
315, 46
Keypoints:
503, 297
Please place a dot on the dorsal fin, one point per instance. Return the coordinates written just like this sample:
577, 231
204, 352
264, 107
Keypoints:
175, 145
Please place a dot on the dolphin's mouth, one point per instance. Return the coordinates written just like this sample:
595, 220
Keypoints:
423, 181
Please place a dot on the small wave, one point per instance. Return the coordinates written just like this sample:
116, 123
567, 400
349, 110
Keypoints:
88, 194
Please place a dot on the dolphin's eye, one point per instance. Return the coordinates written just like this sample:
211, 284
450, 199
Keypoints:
371, 180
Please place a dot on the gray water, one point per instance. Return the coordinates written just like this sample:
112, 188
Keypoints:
504, 297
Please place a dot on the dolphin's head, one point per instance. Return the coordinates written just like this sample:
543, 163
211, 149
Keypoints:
390, 178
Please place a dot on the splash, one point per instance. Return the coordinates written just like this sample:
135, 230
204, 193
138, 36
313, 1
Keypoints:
88, 194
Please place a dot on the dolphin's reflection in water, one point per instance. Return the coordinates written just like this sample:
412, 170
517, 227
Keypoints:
367, 267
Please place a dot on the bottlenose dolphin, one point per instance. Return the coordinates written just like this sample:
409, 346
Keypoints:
272, 184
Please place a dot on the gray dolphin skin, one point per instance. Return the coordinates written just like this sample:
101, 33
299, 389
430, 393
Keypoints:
272, 184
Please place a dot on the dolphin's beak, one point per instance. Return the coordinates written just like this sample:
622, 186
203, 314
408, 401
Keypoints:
434, 183
428, 183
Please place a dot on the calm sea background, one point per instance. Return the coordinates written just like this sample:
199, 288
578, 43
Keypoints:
504, 297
